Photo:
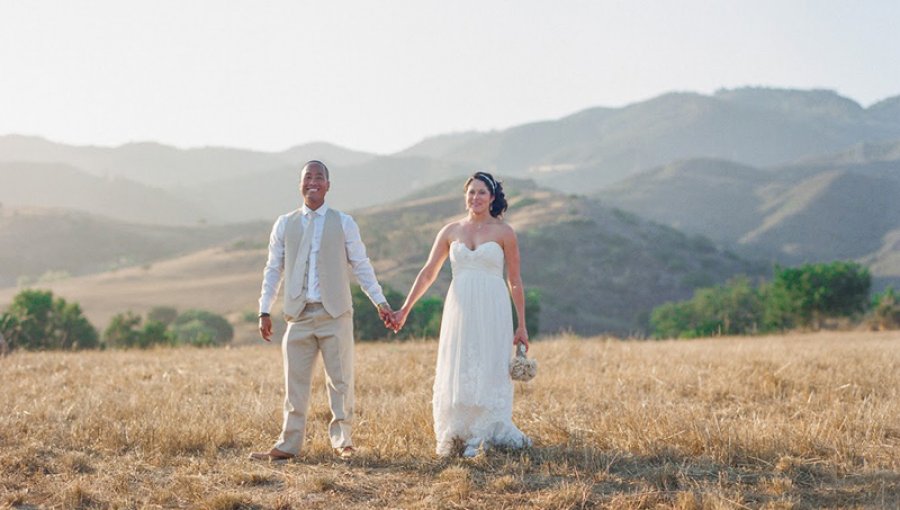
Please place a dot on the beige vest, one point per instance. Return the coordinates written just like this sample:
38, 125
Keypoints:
332, 265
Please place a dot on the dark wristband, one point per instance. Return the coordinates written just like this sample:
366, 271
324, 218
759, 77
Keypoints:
263, 314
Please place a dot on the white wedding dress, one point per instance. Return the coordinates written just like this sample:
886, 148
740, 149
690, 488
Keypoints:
473, 393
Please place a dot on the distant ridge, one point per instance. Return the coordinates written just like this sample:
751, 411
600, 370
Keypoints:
596, 147
36, 240
844, 206
165, 166
64, 186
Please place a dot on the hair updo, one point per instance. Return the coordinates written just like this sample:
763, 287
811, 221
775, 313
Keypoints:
495, 187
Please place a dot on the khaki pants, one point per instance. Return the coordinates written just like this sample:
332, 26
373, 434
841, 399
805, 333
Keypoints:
312, 332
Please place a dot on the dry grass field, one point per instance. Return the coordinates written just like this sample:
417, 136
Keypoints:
803, 421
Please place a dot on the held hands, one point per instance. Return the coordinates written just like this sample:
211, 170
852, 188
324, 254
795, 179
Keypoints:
387, 316
400, 319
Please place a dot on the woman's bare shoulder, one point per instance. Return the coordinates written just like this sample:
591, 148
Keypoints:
505, 229
450, 229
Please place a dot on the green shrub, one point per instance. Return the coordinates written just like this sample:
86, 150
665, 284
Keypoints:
885, 310
36, 320
164, 314
807, 294
194, 332
122, 331
125, 332
200, 327
801, 296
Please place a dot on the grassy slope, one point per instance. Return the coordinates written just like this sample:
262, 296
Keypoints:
597, 269
816, 212
773, 422
36, 240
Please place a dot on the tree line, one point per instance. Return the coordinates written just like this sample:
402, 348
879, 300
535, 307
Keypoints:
796, 297
802, 297
36, 320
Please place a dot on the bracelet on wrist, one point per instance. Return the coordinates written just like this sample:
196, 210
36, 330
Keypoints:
263, 314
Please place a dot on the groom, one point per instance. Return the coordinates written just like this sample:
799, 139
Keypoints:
314, 248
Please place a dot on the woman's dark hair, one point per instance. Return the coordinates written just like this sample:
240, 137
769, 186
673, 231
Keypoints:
498, 203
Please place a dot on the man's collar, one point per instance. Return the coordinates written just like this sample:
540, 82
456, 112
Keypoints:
319, 212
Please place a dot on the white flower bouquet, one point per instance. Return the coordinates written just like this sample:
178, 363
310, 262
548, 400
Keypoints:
520, 367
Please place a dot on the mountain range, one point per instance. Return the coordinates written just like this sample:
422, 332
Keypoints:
842, 207
773, 175
599, 146
581, 153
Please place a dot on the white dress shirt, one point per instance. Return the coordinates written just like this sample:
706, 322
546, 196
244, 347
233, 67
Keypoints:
356, 254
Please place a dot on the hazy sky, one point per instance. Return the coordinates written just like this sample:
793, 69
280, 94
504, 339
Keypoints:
381, 75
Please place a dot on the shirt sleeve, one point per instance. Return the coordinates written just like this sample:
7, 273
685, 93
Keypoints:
359, 261
274, 267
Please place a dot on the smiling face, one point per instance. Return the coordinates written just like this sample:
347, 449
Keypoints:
314, 185
478, 197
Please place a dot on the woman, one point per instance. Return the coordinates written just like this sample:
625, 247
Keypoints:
472, 390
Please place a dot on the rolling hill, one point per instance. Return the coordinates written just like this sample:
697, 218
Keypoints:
597, 269
840, 207
35, 241
63, 186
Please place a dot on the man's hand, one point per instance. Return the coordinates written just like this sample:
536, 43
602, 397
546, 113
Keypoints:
265, 328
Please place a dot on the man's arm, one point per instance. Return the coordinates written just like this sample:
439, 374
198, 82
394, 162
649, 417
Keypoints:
362, 267
271, 278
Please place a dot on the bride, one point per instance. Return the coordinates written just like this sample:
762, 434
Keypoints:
473, 392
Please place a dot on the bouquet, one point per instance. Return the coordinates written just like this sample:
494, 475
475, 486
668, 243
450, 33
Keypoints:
520, 367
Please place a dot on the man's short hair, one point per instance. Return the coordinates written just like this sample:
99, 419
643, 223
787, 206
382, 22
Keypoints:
316, 162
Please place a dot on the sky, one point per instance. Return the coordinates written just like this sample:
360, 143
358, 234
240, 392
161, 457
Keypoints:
379, 76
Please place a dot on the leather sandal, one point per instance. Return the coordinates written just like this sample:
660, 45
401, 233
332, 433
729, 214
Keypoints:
272, 455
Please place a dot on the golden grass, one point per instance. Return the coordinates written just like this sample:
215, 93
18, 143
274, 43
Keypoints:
803, 421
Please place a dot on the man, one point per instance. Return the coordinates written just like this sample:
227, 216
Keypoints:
313, 248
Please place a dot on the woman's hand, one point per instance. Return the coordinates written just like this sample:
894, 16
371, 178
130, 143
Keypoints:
521, 337
400, 319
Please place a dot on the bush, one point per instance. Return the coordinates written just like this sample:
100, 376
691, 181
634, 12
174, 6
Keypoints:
424, 321
802, 296
367, 324
807, 294
885, 311
36, 320
195, 332
735, 308
163, 314
200, 327
532, 310
124, 332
